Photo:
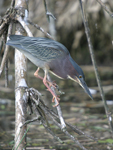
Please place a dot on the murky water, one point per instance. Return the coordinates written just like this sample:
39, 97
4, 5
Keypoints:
89, 116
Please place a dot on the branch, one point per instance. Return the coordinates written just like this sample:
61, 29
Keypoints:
42, 112
108, 114
12, 3
58, 108
105, 8
24, 25
48, 13
6, 51
74, 128
41, 29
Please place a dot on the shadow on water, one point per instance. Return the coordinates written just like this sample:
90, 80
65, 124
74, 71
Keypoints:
78, 109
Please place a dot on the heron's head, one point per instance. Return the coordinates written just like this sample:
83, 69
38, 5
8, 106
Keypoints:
77, 75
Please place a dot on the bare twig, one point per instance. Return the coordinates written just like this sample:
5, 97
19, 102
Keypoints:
38, 110
105, 8
41, 109
74, 128
66, 132
6, 51
29, 121
3, 25
6, 73
24, 25
41, 29
6, 61
108, 114
35, 91
48, 13
58, 107
75, 140
51, 15
51, 132
12, 3
45, 4
52, 23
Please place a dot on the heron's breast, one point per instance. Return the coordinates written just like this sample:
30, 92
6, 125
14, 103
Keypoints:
60, 67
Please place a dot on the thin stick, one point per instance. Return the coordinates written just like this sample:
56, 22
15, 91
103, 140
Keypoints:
41, 29
12, 3
6, 73
29, 121
24, 25
45, 4
52, 133
42, 110
48, 13
74, 128
105, 8
6, 61
75, 140
58, 107
43, 107
108, 114
3, 25
6, 51
64, 130
38, 110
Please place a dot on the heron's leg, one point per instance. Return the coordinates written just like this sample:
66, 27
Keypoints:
54, 96
36, 74
53, 84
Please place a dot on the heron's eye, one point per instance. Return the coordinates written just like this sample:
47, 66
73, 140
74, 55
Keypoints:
80, 76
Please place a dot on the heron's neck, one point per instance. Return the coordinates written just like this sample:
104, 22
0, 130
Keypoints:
62, 67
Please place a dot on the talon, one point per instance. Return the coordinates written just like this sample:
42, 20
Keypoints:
53, 99
58, 99
56, 105
52, 84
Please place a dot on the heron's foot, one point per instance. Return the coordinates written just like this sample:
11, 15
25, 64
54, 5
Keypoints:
56, 105
53, 100
53, 84
57, 98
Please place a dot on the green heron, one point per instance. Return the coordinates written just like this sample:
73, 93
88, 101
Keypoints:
52, 57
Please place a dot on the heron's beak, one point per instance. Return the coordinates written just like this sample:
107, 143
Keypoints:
84, 86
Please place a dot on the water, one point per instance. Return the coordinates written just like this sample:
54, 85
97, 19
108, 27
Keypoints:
89, 116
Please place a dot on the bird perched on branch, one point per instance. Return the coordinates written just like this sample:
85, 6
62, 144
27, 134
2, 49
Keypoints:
52, 57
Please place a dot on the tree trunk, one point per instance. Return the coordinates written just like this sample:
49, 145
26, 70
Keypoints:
20, 85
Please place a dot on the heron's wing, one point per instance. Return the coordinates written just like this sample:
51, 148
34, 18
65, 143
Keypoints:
41, 48
43, 52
